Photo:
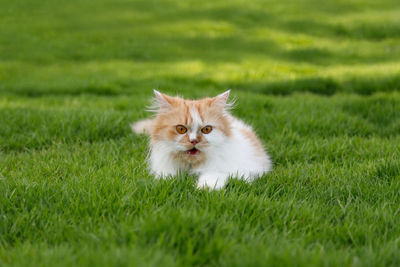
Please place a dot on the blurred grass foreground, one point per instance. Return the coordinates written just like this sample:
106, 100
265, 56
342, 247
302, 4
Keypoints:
318, 80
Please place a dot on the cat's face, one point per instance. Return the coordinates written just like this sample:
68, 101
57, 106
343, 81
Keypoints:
190, 129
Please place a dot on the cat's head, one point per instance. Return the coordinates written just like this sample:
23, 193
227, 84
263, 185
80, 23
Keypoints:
189, 129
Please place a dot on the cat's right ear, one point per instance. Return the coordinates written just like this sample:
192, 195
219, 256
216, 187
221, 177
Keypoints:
221, 100
161, 102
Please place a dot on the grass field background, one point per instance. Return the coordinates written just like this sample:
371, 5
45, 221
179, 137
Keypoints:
318, 80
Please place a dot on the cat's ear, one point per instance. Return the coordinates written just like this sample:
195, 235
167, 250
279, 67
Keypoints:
161, 102
222, 99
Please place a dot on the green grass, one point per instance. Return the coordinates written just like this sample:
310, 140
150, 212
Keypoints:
319, 81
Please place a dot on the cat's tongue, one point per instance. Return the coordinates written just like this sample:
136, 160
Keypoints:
194, 151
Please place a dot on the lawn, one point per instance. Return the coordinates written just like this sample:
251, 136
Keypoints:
318, 80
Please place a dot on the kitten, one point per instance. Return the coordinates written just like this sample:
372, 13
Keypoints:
202, 137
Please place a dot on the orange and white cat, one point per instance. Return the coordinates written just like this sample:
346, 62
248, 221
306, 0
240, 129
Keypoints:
202, 137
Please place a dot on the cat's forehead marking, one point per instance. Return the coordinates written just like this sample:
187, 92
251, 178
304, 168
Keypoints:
195, 115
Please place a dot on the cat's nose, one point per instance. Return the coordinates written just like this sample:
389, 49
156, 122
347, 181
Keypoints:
194, 141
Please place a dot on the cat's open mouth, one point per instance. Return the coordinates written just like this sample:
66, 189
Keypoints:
193, 152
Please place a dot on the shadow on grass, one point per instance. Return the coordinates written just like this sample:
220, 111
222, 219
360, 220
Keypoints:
317, 85
328, 86
364, 31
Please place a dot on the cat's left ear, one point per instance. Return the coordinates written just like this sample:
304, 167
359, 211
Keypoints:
162, 102
222, 99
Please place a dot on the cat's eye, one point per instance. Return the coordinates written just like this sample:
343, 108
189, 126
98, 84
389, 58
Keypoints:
181, 129
207, 129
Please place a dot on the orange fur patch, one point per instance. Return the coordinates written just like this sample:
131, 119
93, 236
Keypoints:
254, 140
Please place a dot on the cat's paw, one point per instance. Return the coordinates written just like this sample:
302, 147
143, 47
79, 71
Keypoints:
211, 181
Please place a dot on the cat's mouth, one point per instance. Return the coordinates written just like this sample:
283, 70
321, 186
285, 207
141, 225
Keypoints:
193, 152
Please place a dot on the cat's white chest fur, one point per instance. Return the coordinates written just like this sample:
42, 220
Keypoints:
236, 157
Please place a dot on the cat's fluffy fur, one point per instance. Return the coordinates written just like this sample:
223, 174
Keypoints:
230, 149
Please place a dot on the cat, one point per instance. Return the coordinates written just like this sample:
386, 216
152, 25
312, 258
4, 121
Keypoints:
203, 138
